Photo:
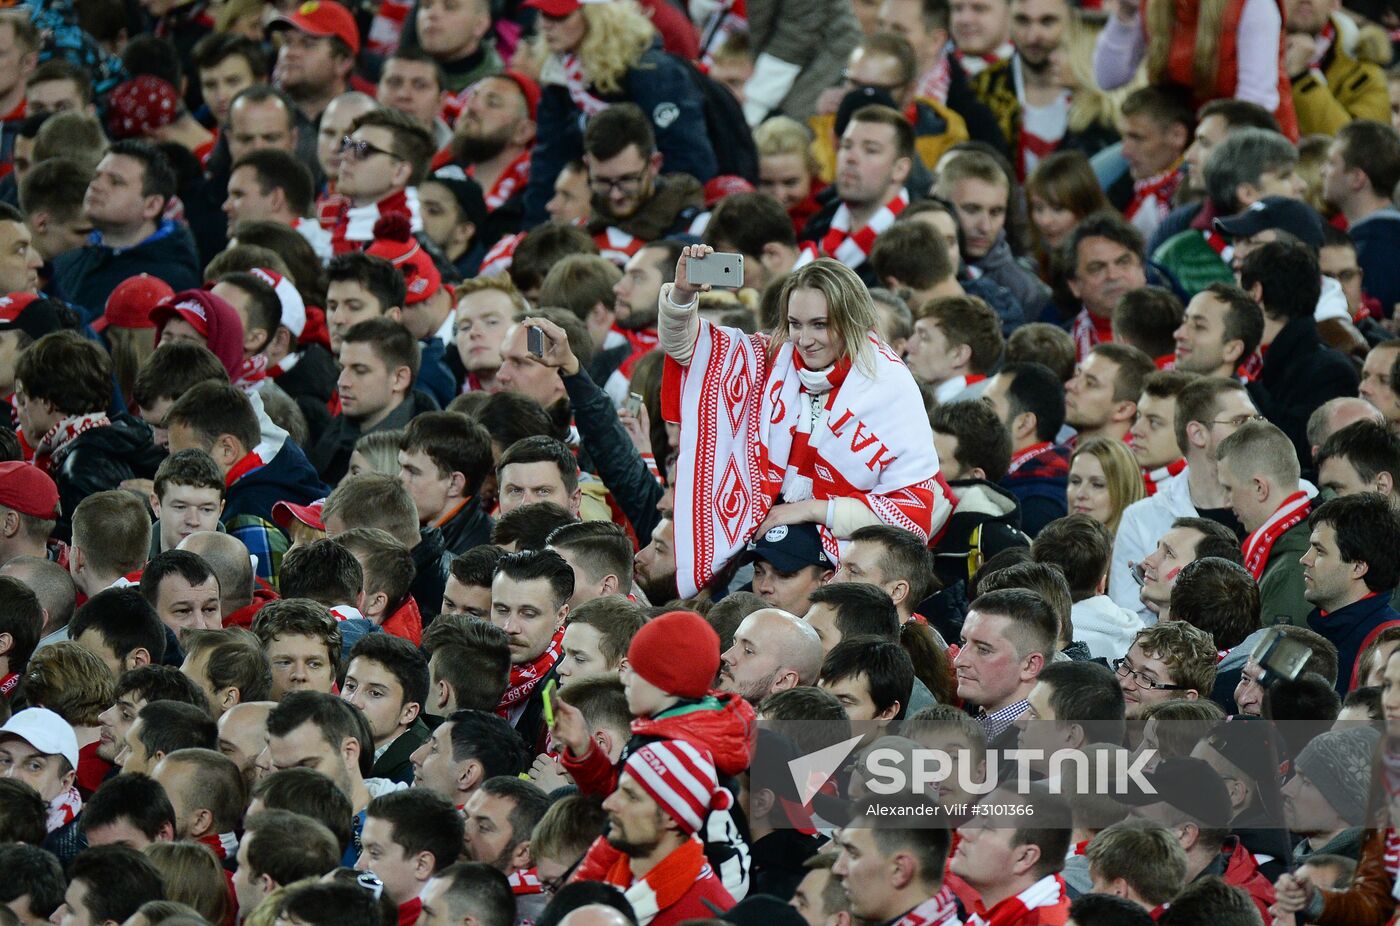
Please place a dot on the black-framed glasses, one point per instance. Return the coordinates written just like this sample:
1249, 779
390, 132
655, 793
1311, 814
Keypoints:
554, 885
359, 149
627, 184
1123, 670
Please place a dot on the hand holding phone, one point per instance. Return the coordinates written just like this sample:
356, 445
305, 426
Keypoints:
634, 404
721, 269
534, 341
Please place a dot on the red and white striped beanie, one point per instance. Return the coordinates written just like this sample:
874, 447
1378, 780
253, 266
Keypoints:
681, 778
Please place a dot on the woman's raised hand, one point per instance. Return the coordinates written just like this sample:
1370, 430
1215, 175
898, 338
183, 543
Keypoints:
682, 291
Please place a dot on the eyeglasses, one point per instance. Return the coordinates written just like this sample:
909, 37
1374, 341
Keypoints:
555, 885
628, 184
1121, 667
1238, 420
358, 149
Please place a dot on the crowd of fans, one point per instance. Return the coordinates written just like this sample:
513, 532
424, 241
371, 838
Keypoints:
456, 446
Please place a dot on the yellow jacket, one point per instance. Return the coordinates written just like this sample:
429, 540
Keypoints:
936, 129
1353, 84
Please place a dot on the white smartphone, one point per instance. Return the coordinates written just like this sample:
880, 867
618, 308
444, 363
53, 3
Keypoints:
721, 269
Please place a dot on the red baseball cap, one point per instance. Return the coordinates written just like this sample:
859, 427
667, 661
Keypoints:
284, 513
131, 302
528, 89
322, 18
29, 490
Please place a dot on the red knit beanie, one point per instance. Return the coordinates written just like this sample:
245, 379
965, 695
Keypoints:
677, 652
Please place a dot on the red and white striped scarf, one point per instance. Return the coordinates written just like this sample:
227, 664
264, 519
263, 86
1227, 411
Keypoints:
384, 29
934, 83
577, 86
513, 178
1322, 44
664, 885
354, 227
1154, 194
1219, 245
617, 245
976, 64
524, 882
1087, 330
939, 910
64, 809
524, 678
1392, 857
254, 370
740, 409
853, 248
63, 433
1259, 544
1025, 456
8, 684
1153, 478
501, 255
225, 845
1049, 891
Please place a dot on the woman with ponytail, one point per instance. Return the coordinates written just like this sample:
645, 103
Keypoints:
1213, 48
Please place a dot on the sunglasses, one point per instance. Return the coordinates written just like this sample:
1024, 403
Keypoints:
358, 149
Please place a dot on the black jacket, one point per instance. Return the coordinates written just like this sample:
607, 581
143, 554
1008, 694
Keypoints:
89, 274
778, 862
331, 454
394, 764
98, 460
470, 527
431, 562
1300, 373
616, 462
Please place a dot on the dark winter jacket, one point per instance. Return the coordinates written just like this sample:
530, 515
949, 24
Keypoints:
469, 527
100, 459
431, 563
1350, 628
1300, 373
89, 274
616, 461
331, 455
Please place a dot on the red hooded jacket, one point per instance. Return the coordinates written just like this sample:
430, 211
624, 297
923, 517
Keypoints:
211, 316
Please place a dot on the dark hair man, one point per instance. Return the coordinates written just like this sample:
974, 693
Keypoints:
407, 837
1008, 638
1030, 402
108, 884
1359, 177
387, 679
529, 601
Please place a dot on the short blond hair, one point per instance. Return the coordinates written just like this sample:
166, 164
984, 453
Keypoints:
785, 135
71, 681
501, 283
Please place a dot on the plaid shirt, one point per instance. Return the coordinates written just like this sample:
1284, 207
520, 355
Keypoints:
263, 540
997, 722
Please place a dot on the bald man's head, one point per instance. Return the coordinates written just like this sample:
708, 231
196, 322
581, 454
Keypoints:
773, 651
229, 560
595, 914
1334, 414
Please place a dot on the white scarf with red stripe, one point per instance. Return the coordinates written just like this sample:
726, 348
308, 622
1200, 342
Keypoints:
741, 412
1152, 198
939, 910
1259, 544
1025, 456
512, 179
1049, 891
354, 227
501, 255
934, 83
577, 86
1152, 478
63, 433
1086, 334
853, 248
64, 809
617, 245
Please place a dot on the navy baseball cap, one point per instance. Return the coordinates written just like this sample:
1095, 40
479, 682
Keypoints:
1290, 215
789, 547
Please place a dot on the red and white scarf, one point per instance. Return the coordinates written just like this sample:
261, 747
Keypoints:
64, 809
617, 245
8, 684
934, 83
1025, 456
225, 845
1322, 44
577, 86
1088, 329
63, 433
501, 255
939, 910
853, 248
1259, 544
740, 411
524, 678
1219, 245
1153, 478
976, 64
524, 882
1049, 891
354, 227
513, 178
949, 389
664, 885
1152, 197
254, 370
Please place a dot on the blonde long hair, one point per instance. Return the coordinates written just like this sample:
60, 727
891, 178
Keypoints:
850, 310
1205, 64
1090, 105
1121, 472
617, 36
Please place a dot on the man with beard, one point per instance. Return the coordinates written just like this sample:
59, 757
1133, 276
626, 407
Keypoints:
664, 794
632, 202
501, 816
1031, 105
655, 564
773, 651
494, 136
637, 292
